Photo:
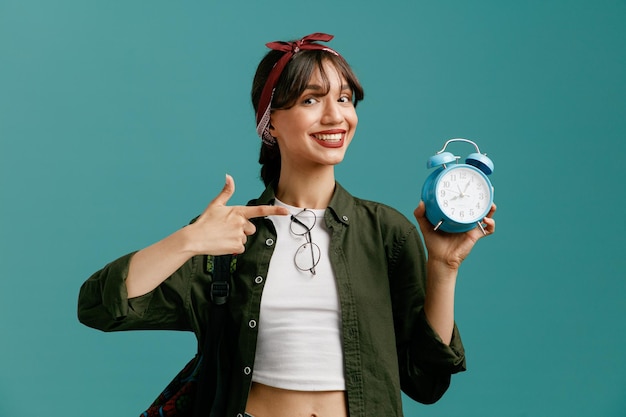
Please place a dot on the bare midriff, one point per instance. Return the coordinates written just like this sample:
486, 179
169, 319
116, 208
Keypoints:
266, 401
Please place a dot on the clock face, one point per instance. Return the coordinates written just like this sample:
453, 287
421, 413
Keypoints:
464, 195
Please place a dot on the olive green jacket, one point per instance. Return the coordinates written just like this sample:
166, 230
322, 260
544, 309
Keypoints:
379, 263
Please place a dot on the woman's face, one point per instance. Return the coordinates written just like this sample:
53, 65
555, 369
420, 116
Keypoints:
317, 130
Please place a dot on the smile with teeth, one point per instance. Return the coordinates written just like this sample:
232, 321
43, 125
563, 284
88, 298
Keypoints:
328, 137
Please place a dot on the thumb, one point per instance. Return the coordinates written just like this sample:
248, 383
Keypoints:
420, 210
227, 192
420, 216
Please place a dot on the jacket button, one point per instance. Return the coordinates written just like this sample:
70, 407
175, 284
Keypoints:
247, 370
345, 218
252, 324
258, 279
269, 242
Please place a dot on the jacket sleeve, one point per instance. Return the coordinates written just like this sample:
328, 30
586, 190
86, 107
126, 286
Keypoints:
103, 301
425, 362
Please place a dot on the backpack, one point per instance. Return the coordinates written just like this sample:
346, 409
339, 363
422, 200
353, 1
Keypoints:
198, 378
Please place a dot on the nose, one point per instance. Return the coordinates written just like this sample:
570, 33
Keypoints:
332, 113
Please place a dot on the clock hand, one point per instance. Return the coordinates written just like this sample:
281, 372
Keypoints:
462, 193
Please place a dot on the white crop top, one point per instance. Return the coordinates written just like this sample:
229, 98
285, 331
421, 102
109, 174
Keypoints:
299, 343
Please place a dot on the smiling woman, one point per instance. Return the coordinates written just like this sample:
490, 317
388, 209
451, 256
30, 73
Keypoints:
316, 130
340, 333
287, 87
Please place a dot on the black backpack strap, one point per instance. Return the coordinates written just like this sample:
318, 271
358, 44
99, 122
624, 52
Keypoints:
208, 398
221, 273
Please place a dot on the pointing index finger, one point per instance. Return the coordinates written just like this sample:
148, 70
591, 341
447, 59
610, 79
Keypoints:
262, 211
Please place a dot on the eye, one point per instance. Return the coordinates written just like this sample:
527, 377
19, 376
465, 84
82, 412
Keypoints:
309, 101
345, 98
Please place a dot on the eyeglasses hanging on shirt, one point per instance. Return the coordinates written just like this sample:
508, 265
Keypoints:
308, 254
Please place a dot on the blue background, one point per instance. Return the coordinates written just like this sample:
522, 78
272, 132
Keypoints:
119, 119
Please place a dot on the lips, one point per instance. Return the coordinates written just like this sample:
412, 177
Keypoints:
330, 139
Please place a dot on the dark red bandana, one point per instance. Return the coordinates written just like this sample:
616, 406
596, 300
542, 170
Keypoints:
290, 49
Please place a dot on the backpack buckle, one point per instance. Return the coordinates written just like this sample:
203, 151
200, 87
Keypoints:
219, 292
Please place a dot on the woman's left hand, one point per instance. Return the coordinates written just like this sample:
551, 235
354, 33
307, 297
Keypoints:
451, 248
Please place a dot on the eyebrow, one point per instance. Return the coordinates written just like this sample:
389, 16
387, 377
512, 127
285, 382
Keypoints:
317, 87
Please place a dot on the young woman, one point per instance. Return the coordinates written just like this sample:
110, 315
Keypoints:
334, 306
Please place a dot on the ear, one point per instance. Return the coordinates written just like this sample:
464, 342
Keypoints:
271, 126
271, 129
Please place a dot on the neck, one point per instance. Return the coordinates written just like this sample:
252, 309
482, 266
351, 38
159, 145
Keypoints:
312, 191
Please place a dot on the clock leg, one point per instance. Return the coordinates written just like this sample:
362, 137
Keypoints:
481, 228
439, 224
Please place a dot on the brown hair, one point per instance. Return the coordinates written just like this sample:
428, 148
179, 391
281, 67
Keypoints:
291, 84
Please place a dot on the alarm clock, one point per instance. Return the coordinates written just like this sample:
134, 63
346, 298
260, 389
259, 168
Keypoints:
458, 196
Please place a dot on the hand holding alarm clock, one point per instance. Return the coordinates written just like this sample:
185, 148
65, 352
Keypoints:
458, 196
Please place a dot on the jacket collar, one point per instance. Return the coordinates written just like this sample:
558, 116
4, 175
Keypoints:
341, 205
